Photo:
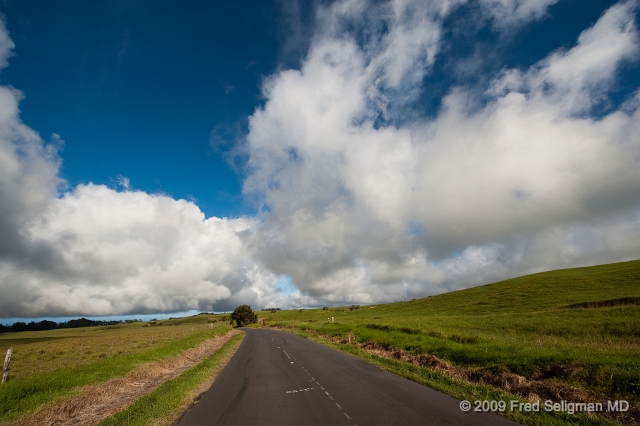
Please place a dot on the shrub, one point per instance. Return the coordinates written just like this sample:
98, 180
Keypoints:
325, 308
243, 315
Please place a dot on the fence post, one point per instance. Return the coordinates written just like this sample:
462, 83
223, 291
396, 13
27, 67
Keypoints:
6, 368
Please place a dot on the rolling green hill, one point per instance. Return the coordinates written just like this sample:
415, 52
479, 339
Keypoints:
545, 290
575, 329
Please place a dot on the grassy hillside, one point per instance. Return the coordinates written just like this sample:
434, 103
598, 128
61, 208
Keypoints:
575, 327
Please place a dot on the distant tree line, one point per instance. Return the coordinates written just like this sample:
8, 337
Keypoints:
52, 325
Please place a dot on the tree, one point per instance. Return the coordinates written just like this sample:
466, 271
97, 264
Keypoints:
243, 315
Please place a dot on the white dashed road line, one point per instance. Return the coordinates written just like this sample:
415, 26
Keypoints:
312, 379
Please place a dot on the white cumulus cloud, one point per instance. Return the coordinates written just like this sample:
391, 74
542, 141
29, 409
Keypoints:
362, 198
98, 251
524, 179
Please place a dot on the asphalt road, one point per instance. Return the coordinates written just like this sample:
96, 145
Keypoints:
278, 378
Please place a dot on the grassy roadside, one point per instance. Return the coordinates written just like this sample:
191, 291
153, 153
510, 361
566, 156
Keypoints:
27, 394
570, 334
456, 388
165, 404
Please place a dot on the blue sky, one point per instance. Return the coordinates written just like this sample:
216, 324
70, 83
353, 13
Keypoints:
295, 153
136, 88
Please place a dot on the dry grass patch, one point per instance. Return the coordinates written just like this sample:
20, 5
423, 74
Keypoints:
97, 402
38, 352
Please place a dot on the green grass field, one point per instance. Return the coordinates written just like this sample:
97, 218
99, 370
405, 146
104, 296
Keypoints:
50, 365
578, 327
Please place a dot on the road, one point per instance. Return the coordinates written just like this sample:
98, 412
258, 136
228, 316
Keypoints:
278, 378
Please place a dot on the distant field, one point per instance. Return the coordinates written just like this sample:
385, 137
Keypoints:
50, 365
575, 327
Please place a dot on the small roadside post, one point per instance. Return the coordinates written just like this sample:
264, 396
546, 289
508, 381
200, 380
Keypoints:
7, 365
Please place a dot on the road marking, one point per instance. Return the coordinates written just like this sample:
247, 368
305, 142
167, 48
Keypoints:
301, 390
312, 379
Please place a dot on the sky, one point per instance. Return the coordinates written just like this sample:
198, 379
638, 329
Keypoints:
159, 157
